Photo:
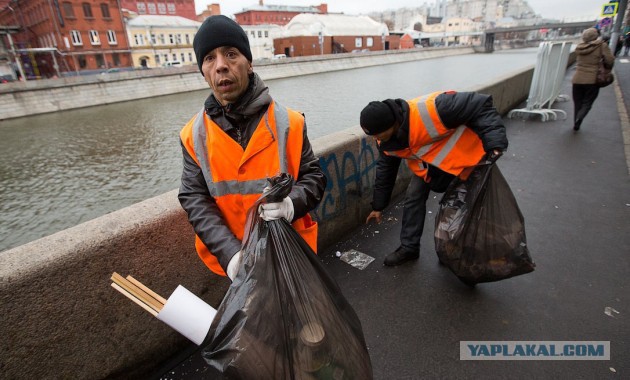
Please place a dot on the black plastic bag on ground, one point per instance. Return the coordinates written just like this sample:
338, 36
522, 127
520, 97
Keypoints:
284, 317
479, 229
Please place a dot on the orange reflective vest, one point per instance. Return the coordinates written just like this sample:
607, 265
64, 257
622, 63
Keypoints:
431, 142
236, 177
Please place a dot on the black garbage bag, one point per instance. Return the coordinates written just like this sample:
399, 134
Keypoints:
479, 229
284, 317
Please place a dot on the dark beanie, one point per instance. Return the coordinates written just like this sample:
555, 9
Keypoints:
377, 117
217, 31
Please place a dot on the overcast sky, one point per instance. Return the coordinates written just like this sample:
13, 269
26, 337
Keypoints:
557, 9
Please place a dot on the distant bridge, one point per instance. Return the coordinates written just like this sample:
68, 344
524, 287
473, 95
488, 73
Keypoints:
566, 27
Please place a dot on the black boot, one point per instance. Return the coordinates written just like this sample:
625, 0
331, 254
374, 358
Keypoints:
576, 126
400, 256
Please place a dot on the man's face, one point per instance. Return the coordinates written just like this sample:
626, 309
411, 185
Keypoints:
227, 72
386, 134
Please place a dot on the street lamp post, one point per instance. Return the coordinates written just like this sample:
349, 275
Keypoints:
614, 37
15, 56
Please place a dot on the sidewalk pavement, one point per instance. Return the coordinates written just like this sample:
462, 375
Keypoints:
574, 192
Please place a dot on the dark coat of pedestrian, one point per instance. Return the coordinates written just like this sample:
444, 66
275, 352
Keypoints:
585, 91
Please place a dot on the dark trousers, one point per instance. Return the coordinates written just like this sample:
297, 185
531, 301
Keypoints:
414, 211
584, 96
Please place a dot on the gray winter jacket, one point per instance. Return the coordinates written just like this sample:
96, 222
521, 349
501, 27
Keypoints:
239, 120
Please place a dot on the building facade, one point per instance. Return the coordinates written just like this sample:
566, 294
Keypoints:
275, 14
161, 41
182, 8
67, 37
261, 39
313, 34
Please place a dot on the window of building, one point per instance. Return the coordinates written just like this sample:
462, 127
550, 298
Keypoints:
266, 33
75, 35
151, 8
87, 10
358, 42
187, 39
161, 8
165, 57
153, 39
94, 38
68, 10
183, 56
190, 57
171, 8
82, 61
174, 57
105, 11
259, 34
142, 8
171, 39
100, 61
369, 42
178, 39
253, 34
162, 40
116, 59
138, 39
111, 37
157, 59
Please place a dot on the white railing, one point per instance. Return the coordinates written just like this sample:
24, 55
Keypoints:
551, 66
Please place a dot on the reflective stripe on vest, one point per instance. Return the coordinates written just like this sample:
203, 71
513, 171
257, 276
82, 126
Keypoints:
254, 186
431, 142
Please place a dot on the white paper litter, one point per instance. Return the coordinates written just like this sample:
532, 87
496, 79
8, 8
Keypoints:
357, 259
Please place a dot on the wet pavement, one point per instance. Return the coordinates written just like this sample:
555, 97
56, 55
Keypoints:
574, 192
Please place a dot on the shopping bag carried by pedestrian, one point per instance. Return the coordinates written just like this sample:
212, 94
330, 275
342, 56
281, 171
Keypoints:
479, 229
284, 317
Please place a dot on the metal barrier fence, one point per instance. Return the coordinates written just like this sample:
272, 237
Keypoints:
551, 65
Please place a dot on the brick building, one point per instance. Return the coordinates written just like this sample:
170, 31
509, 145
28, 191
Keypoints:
313, 34
66, 37
181, 8
275, 14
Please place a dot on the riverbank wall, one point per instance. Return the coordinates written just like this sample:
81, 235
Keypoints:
21, 99
62, 319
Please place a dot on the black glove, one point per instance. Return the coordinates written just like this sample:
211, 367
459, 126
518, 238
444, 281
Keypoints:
493, 156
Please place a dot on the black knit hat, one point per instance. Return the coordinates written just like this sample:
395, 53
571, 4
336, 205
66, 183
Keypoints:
377, 117
217, 31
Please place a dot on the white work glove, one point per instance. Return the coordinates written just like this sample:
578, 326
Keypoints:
232, 268
273, 211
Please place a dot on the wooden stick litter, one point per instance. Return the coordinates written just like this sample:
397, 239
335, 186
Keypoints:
147, 290
138, 293
135, 300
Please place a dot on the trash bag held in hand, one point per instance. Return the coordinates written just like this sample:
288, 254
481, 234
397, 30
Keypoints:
284, 317
479, 229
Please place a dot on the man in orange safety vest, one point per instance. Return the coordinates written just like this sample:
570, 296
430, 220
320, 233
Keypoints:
441, 135
237, 140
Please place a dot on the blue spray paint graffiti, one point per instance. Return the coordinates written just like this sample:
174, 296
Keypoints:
353, 177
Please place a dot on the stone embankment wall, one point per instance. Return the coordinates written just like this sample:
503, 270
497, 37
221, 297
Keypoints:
20, 99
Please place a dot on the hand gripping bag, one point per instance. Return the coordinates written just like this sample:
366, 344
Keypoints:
479, 229
284, 317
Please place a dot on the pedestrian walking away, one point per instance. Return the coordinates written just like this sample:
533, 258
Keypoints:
585, 90
441, 136
241, 137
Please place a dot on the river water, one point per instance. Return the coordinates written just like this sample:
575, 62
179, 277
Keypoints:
61, 169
